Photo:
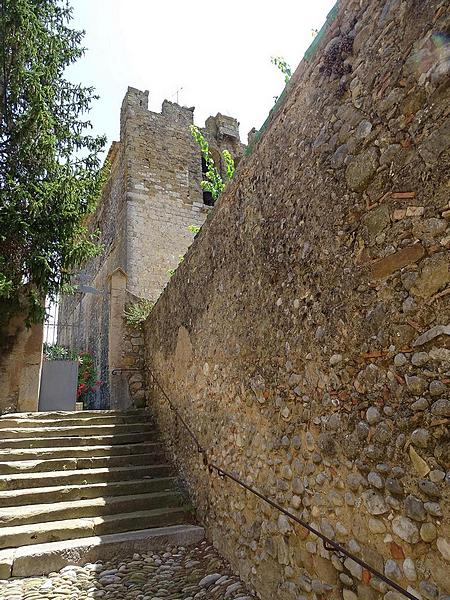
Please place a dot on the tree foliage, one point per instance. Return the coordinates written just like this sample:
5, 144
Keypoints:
213, 182
50, 173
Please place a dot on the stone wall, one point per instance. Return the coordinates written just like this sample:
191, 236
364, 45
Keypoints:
151, 198
164, 197
84, 317
20, 365
305, 337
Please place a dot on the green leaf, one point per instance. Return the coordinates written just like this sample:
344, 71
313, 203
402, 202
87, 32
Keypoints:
50, 172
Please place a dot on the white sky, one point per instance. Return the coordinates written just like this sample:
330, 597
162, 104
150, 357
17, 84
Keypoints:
218, 52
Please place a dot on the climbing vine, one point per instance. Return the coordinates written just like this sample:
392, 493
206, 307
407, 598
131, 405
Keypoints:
213, 182
283, 66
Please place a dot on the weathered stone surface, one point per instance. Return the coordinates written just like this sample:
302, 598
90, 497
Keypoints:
428, 590
376, 220
420, 437
405, 529
436, 143
409, 569
434, 275
296, 266
444, 548
388, 265
20, 365
156, 574
373, 415
418, 462
441, 408
152, 197
414, 508
416, 385
428, 532
432, 333
418, 359
361, 169
374, 502
6, 563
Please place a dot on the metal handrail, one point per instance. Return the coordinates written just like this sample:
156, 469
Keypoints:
329, 544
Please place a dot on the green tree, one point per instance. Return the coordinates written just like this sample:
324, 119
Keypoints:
213, 182
50, 173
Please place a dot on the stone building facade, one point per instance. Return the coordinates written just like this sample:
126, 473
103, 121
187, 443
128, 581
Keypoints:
305, 338
151, 198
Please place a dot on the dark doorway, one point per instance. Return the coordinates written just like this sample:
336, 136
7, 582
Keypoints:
207, 196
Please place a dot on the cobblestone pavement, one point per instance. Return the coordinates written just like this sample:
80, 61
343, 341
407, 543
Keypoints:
176, 574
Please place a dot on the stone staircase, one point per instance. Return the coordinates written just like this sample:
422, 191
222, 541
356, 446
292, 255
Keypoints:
78, 486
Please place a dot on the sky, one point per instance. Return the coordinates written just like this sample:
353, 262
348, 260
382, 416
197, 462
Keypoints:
216, 54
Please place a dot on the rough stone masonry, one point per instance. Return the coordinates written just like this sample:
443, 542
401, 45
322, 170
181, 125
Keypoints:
151, 198
305, 337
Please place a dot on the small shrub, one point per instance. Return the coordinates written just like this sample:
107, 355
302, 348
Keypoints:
137, 312
55, 352
180, 260
87, 377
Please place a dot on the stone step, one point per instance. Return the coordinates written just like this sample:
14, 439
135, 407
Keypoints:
14, 423
77, 431
61, 493
37, 442
64, 464
54, 531
69, 414
91, 507
20, 481
91, 475
41, 559
8, 454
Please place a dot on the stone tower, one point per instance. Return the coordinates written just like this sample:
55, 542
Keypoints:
151, 198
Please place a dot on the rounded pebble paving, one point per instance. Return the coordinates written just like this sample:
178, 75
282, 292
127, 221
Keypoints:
176, 574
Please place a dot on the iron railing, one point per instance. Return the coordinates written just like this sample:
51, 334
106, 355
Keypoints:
328, 543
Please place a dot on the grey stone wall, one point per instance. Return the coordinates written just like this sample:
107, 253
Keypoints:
164, 197
151, 197
305, 337
84, 317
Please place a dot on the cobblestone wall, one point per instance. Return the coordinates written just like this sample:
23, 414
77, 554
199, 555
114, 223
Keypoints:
305, 337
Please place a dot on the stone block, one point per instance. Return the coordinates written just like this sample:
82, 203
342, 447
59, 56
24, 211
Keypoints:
390, 264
